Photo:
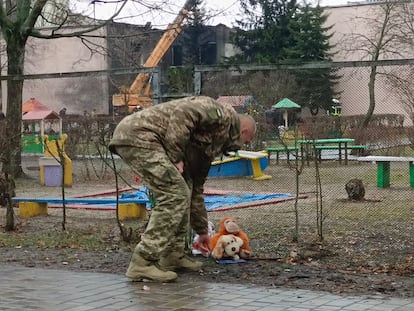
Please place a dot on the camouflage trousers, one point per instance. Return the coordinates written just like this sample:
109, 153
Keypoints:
168, 223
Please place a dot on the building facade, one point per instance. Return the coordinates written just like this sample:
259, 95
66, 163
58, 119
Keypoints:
118, 46
356, 28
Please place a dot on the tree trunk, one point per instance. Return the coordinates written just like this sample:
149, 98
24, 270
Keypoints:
15, 55
371, 89
10, 225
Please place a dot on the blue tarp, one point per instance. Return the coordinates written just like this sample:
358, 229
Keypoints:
217, 201
213, 202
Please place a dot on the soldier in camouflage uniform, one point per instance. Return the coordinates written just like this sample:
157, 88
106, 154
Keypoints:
171, 147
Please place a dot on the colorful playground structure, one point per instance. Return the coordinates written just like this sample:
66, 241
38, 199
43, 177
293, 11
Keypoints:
241, 163
51, 171
135, 203
238, 164
128, 208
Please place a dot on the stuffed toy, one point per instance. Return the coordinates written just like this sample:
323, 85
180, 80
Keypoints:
197, 248
227, 246
229, 225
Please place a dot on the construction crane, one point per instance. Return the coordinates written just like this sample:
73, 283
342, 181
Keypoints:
139, 93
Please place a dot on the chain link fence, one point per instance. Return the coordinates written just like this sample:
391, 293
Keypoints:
318, 223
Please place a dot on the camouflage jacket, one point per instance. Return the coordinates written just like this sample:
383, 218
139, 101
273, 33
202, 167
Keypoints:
194, 129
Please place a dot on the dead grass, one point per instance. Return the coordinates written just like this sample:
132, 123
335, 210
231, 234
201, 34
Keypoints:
376, 232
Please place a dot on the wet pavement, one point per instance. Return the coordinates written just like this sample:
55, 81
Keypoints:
24, 288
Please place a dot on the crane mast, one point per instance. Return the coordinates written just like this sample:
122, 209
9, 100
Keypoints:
139, 93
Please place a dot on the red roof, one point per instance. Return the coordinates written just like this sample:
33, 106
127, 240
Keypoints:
40, 115
33, 105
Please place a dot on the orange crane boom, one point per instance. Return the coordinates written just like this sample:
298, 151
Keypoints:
139, 93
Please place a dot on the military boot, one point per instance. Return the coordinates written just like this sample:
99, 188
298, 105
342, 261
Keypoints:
140, 269
179, 261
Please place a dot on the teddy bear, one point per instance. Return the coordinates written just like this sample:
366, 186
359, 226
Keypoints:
227, 246
229, 225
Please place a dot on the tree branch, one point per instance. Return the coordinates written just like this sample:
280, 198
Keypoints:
54, 35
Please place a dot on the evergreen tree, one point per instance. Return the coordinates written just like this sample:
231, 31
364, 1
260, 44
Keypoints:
192, 34
311, 44
180, 79
263, 38
284, 33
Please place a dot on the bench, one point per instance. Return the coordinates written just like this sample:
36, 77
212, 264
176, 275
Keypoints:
383, 168
256, 161
128, 207
278, 150
319, 148
307, 147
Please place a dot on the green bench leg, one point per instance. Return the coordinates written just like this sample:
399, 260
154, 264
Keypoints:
411, 170
383, 174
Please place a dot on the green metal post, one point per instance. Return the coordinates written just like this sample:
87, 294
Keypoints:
411, 170
383, 174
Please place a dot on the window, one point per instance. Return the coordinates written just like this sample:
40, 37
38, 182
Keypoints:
176, 55
208, 53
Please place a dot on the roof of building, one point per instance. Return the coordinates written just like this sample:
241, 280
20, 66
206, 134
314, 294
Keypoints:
40, 115
236, 101
33, 105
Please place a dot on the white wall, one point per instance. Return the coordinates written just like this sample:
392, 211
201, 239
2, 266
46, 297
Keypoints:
66, 55
353, 85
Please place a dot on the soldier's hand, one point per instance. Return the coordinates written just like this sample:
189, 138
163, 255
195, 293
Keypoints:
203, 242
180, 166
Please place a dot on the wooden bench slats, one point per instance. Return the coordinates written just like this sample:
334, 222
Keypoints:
274, 149
332, 147
289, 149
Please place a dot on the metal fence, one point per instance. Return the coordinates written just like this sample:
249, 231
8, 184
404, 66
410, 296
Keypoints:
319, 223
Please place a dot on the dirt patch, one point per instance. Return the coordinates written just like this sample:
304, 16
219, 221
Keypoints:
348, 261
50, 248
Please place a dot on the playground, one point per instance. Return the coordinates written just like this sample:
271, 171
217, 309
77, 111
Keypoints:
366, 248
135, 200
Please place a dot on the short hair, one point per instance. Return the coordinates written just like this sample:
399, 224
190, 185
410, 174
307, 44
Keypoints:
248, 119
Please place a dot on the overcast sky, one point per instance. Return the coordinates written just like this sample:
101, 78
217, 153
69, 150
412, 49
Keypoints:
223, 11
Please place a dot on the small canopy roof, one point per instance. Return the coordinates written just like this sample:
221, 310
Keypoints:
40, 115
286, 103
33, 105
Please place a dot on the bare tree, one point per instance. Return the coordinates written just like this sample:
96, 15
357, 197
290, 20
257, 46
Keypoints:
406, 25
18, 21
401, 84
401, 81
378, 41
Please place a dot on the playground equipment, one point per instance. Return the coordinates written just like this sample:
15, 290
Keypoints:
336, 108
51, 170
35, 125
128, 208
241, 163
137, 203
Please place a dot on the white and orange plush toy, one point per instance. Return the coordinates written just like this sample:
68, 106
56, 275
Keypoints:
229, 225
227, 246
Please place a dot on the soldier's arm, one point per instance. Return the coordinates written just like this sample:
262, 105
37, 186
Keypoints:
198, 212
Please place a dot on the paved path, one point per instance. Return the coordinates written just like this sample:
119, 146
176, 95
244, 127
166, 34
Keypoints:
54, 290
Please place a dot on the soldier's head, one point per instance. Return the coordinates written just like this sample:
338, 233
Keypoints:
247, 128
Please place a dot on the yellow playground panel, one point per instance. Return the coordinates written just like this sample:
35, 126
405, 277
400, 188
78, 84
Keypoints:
50, 168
